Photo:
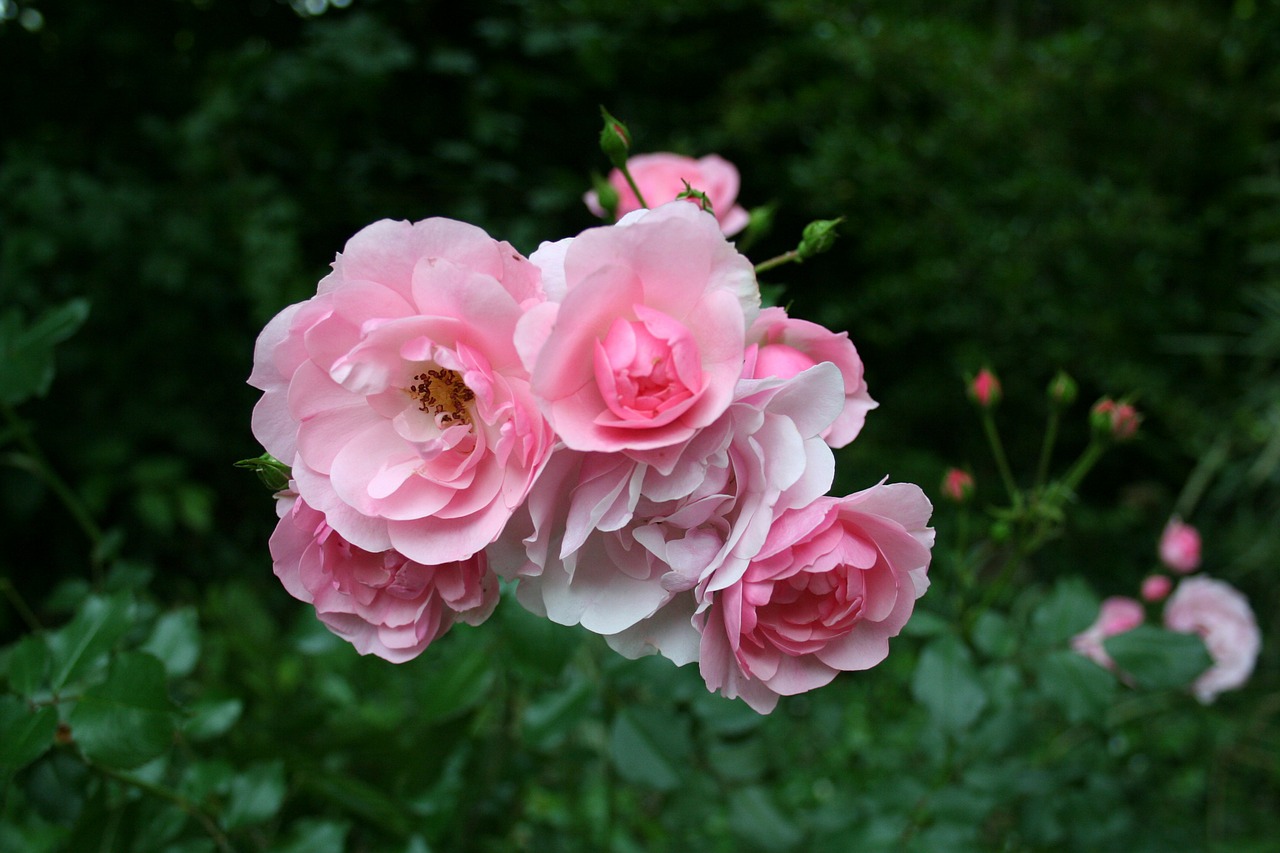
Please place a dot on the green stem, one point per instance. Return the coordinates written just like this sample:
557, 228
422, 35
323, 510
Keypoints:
1046, 449
1087, 460
20, 604
1002, 464
33, 461
206, 821
631, 182
777, 261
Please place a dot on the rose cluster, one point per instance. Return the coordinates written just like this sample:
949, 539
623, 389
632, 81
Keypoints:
614, 426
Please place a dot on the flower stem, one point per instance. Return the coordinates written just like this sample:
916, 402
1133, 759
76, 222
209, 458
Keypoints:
1087, 460
1046, 449
631, 182
777, 261
205, 820
20, 604
1002, 464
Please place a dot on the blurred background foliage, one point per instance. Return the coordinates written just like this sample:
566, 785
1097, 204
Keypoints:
1029, 185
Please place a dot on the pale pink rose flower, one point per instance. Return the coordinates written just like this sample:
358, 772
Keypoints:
643, 338
1116, 615
661, 177
1156, 588
784, 346
1221, 615
607, 542
397, 396
1180, 546
382, 603
834, 581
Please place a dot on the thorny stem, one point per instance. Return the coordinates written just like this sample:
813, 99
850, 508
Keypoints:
777, 261
204, 819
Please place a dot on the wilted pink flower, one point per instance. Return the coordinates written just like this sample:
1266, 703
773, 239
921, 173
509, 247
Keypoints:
784, 346
1119, 420
396, 393
1180, 546
1116, 615
834, 581
382, 603
1220, 614
1156, 587
661, 178
957, 485
984, 389
643, 339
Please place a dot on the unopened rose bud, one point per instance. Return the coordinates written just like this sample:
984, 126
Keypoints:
615, 139
1062, 390
1156, 588
957, 485
984, 389
1117, 420
606, 197
819, 236
1180, 546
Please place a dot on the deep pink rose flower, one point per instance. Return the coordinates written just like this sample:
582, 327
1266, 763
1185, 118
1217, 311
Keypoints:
1180, 546
397, 395
661, 177
833, 583
783, 346
643, 339
608, 542
1220, 614
382, 603
1116, 615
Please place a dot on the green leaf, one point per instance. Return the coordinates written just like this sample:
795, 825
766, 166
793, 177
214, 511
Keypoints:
650, 746
993, 635
84, 642
211, 718
946, 684
127, 720
1076, 684
1157, 658
310, 835
756, 818
27, 353
176, 641
1068, 610
28, 665
28, 733
464, 681
550, 718
256, 795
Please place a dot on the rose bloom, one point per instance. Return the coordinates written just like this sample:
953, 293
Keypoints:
382, 603
642, 341
608, 542
661, 177
1180, 546
833, 583
396, 393
783, 346
1116, 615
1220, 614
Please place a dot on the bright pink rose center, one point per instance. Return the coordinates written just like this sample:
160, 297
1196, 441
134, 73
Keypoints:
649, 369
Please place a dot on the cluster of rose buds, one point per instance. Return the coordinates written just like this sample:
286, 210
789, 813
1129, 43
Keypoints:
1211, 608
614, 425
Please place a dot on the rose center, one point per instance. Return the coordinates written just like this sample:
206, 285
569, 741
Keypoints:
444, 395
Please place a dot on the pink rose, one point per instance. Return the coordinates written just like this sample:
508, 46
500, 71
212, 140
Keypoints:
607, 542
1220, 614
1180, 546
1116, 615
397, 395
833, 583
984, 389
957, 485
661, 177
1156, 587
382, 603
783, 346
643, 339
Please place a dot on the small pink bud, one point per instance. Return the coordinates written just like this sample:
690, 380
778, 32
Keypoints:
1156, 588
957, 485
984, 389
1180, 546
1119, 420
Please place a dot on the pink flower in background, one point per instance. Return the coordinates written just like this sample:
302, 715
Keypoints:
1220, 614
834, 581
661, 177
1119, 420
1180, 546
784, 346
984, 389
397, 396
1116, 615
1156, 588
957, 485
642, 340
382, 603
